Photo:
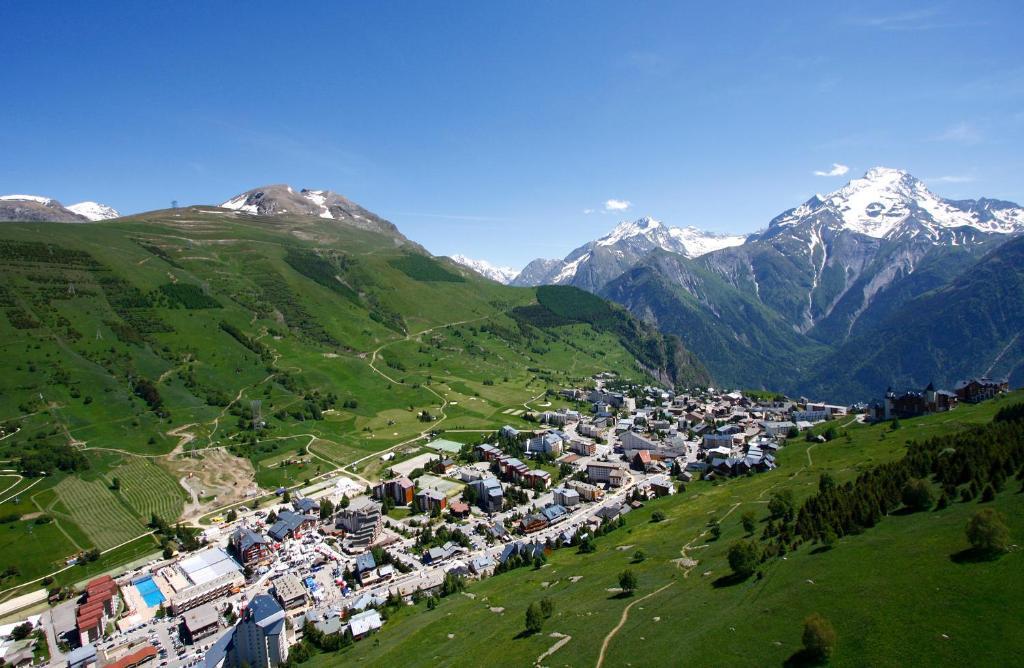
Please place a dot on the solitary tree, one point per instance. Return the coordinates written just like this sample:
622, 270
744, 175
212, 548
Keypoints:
534, 619
743, 558
627, 581
547, 607
232, 515
917, 495
987, 532
819, 638
115, 484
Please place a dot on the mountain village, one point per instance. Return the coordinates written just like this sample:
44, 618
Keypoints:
331, 559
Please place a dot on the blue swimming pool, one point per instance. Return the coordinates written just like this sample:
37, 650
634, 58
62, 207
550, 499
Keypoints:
151, 594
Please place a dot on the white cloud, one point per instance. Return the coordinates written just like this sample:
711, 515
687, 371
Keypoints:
961, 133
837, 170
588, 211
617, 205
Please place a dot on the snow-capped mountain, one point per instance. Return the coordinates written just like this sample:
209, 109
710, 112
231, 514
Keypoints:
35, 208
486, 269
832, 270
597, 262
891, 204
94, 211
282, 199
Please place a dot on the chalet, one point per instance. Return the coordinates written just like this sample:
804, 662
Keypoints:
482, 565
498, 531
974, 390
306, 506
291, 525
364, 623
534, 522
438, 554
661, 485
554, 513
641, 460
912, 403
250, 547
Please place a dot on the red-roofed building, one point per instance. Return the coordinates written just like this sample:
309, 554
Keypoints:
459, 509
92, 615
139, 658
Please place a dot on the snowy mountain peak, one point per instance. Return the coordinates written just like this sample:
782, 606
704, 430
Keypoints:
486, 269
94, 211
889, 203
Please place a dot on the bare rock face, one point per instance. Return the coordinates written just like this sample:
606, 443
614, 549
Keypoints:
282, 199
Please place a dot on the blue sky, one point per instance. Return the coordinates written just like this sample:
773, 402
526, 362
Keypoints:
491, 128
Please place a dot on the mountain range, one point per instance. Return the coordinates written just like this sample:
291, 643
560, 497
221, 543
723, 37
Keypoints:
823, 300
787, 306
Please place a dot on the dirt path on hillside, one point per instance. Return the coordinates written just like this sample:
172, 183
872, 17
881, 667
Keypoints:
622, 622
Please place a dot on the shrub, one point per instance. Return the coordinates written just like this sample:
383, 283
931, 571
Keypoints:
657, 516
819, 638
534, 619
627, 581
987, 532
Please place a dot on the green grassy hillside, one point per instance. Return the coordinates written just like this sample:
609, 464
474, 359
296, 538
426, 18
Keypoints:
898, 593
135, 349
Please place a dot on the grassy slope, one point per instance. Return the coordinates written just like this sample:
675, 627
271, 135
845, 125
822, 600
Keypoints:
891, 592
319, 334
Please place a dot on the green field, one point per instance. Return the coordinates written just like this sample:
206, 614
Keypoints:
895, 593
139, 335
97, 511
149, 489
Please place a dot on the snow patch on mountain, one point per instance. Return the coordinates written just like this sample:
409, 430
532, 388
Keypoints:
688, 241
94, 211
502, 275
27, 198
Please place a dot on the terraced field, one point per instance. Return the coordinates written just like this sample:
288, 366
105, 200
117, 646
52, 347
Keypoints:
149, 490
97, 512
